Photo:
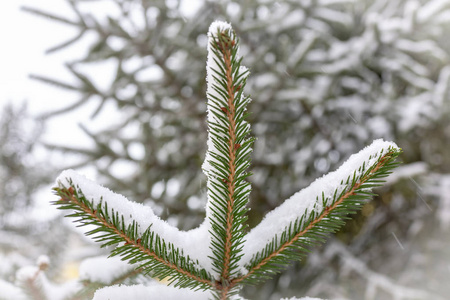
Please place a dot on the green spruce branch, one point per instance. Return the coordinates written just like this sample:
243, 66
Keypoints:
155, 257
228, 156
302, 234
227, 257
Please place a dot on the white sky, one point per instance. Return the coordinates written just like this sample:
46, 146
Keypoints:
25, 38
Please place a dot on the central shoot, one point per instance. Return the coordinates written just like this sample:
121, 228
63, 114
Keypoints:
228, 155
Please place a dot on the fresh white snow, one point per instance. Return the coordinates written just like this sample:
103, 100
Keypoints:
211, 65
9, 291
33, 276
43, 261
27, 273
103, 269
194, 242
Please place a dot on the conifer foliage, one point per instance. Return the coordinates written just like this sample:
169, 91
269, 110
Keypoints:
214, 260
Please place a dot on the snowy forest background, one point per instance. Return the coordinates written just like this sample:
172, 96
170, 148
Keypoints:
327, 77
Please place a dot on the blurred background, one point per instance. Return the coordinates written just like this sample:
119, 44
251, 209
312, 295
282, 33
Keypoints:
116, 90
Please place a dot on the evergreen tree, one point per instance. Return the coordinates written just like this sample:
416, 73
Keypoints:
214, 260
334, 74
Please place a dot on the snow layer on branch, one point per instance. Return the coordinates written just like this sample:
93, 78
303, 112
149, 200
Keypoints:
211, 68
27, 273
43, 261
217, 103
32, 275
212, 65
152, 292
304, 201
194, 243
104, 269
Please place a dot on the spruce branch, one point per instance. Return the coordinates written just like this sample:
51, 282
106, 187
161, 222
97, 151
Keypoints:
146, 249
227, 158
313, 226
219, 256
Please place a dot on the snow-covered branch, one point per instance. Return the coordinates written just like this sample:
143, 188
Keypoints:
218, 257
